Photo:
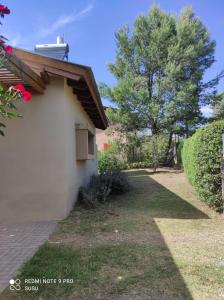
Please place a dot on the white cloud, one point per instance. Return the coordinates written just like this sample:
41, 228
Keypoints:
206, 111
64, 20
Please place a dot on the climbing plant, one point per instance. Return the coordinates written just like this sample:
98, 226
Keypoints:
9, 95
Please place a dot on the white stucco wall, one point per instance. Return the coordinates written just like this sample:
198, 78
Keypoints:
77, 172
40, 177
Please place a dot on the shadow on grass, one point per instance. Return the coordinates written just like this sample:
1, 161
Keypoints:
162, 203
152, 197
147, 172
144, 262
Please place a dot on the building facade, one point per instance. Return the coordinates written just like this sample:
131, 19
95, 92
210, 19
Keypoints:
50, 152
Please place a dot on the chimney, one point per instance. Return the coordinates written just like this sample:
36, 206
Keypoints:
59, 50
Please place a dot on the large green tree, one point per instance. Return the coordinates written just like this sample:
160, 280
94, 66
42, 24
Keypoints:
218, 107
159, 68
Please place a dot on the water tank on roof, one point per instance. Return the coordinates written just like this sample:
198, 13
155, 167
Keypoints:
59, 50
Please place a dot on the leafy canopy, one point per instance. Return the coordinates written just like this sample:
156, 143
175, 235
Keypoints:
159, 68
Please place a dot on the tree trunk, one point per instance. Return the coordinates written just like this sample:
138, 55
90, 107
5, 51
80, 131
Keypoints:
175, 151
168, 148
155, 149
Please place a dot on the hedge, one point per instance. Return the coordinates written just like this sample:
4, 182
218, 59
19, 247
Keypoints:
201, 157
179, 154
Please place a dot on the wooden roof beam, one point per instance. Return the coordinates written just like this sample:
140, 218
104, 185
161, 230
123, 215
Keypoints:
90, 108
84, 98
78, 84
60, 72
45, 77
24, 72
83, 93
90, 81
88, 103
79, 77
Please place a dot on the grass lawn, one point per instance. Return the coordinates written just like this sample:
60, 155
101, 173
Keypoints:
158, 241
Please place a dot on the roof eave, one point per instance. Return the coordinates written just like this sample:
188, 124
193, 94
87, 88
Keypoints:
67, 70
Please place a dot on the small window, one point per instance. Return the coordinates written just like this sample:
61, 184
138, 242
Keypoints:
90, 143
85, 142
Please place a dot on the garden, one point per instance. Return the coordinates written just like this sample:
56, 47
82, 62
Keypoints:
156, 240
140, 233
150, 225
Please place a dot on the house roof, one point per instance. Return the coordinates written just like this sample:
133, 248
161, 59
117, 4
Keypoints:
34, 71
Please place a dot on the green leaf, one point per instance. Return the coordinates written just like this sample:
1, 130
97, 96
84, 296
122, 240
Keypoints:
12, 114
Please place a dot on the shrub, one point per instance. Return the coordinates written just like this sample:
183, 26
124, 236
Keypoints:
179, 151
162, 142
119, 182
108, 161
102, 186
98, 190
201, 156
139, 165
87, 197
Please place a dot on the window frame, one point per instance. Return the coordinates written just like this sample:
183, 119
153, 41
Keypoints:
85, 142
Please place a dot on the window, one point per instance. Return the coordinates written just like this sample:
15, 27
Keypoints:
90, 143
85, 142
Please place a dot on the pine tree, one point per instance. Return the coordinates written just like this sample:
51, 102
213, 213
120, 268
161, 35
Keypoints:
159, 69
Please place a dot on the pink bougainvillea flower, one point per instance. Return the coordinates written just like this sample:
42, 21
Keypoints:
8, 49
4, 9
19, 87
26, 96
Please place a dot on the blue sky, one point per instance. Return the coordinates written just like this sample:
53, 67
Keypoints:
88, 26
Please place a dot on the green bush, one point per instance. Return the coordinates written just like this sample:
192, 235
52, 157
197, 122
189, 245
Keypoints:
88, 197
102, 186
179, 151
108, 160
119, 182
201, 156
138, 165
162, 142
98, 190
